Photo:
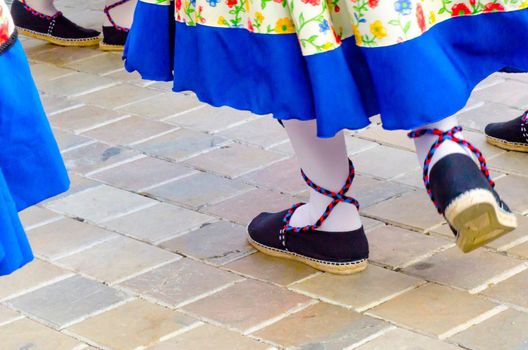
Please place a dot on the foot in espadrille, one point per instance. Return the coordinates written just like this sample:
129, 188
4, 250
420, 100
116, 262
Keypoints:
55, 29
511, 135
334, 252
465, 194
115, 36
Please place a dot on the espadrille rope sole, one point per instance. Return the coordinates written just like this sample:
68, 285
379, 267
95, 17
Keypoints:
507, 145
59, 41
109, 47
478, 219
345, 268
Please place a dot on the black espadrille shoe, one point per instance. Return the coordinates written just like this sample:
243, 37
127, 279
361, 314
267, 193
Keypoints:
55, 29
465, 194
512, 135
114, 37
334, 252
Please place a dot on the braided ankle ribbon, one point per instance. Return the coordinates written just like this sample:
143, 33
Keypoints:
111, 19
443, 136
524, 125
40, 14
337, 197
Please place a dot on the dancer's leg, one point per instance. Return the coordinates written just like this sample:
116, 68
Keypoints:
325, 162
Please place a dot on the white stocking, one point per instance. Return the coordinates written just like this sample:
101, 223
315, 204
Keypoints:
325, 162
423, 144
122, 14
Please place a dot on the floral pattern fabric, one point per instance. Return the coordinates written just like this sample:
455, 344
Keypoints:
6, 23
322, 24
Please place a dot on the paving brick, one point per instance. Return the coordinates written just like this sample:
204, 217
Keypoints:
243, 208
158, 223
117, 259
466, 271
263, 131
33, 275
63, 55
511, 162
199, 189
512, 325
43, 72
99, 64
478, 140
234, 160
65, 237
67, 301
162, 106
37, 216
83, 118
125, 77
95, 156
117, 96
180, 282
433, 309
369, 191
211, 119
396, 247
478, 118
402, 339
267, 268
217, 243
55, 104
412, 210
181, 144
321, 326
398, 138
8, 315
283, 148
68, 141
142, 173
27, 334
283, 176
511, 290
133, 325
129, 131
511, 93
78, 183
235, 306
385, 162
75, 85
200, 338
413, 179
370, 224
358, 291
100, 203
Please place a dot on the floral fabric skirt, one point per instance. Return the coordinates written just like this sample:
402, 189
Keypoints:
31, 168
337, 61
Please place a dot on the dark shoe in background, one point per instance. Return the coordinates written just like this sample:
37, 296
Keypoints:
511, 135
114, 37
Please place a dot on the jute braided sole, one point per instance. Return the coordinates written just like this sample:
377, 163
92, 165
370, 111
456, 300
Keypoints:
478, 219
507, 145
108, 47
335, 268
59, 41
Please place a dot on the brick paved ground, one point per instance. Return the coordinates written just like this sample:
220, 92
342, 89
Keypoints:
148, 250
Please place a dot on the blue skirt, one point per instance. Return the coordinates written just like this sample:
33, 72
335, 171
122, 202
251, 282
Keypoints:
419, 81
31, 167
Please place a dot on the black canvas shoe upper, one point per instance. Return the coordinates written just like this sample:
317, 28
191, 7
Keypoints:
57, 26
273, 230
113, 36
335, 247
455, 175
515, 130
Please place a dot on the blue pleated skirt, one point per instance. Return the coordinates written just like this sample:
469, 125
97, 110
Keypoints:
31, 168
410, 84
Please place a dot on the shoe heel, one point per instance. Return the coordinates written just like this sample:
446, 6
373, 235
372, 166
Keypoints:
478, 219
